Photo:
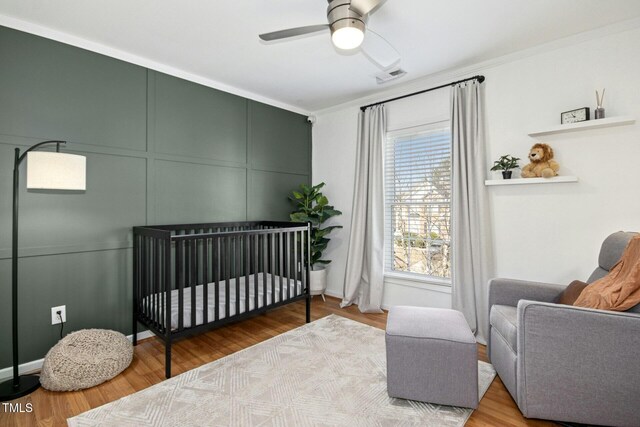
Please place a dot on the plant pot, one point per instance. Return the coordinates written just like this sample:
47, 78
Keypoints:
506, 174
318, 281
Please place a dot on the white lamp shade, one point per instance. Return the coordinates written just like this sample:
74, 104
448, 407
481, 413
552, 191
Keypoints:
56, 171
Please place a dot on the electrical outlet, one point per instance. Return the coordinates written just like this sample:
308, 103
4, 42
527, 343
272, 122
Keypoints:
55, 319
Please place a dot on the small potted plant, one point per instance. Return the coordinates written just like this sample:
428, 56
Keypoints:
505, 164
312, 206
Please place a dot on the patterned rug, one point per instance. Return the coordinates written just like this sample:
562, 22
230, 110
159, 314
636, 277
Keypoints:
330, 372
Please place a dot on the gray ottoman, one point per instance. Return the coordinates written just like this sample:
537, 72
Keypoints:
431, 356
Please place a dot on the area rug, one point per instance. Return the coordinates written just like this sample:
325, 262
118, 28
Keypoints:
330, 372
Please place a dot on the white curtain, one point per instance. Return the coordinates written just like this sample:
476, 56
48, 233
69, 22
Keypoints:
364, 278
472, 258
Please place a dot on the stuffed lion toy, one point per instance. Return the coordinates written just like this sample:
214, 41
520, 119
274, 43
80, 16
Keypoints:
542, 163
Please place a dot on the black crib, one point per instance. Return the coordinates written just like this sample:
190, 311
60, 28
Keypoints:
195, 277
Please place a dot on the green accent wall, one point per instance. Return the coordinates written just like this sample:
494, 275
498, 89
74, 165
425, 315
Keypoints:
159, 150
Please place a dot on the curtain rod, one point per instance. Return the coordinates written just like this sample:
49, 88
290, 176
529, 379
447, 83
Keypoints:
479, 78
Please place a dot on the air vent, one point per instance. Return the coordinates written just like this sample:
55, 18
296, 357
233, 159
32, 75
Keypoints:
387, 76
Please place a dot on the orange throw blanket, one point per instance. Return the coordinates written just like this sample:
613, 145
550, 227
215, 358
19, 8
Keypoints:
620, 289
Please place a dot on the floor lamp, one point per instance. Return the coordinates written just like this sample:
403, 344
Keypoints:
46, 170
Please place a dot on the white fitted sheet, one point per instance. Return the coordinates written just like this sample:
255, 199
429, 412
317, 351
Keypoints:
211, 306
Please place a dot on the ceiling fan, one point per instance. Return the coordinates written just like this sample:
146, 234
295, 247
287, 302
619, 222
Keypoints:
349, 31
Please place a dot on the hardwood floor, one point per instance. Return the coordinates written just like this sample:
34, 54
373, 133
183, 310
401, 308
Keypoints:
52, 409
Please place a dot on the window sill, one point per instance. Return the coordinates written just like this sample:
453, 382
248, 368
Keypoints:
426, 283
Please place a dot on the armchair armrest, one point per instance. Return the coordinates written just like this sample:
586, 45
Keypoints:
579, 365
510, 291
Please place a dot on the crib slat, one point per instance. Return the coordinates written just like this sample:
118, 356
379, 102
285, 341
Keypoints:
193, 259
227, 275
141, 267
157, 267
288, 265
180, 282
216, 265
238, 271
296, 275
264, 249
166, 307
147, 269
303, 262
156, 282
253, 258
160, 281
205, 281
294, 263
281, 263
272, 258
152, 278
161, 278
187, 264
294, 292
247, 270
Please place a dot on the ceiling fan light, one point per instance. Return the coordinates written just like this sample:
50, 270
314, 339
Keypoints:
347, 38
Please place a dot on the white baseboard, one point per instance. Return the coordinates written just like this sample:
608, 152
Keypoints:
36, 365
333, 294
25, 368
142, 335
339, 296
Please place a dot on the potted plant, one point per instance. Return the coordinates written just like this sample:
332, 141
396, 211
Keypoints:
505, 164
313, 207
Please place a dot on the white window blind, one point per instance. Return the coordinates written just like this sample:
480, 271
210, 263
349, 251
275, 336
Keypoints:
418, 201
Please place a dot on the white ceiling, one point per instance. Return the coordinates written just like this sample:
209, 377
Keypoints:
218, 40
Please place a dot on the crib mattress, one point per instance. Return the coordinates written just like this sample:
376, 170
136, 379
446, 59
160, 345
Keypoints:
273, 296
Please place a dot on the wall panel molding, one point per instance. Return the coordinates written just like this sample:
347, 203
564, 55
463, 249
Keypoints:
71, 249
185, 154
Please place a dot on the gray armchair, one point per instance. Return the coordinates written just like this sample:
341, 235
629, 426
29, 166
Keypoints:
567, 363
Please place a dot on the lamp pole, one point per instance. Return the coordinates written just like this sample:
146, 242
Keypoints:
20, 385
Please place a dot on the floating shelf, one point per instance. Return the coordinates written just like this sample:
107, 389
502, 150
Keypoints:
525, 181
589, 124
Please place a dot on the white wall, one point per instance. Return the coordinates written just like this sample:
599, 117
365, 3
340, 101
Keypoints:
334, 159
541, 232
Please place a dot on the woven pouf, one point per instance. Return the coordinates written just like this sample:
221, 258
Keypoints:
85, 359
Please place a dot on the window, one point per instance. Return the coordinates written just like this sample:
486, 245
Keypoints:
418, 201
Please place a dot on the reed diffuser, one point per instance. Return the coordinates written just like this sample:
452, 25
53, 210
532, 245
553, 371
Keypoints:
599, 108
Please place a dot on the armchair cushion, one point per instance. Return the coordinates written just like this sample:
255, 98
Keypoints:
577, 364
508, 292
504, 318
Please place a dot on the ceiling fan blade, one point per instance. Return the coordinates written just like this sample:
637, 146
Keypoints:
379, 51
363, 7
292, 32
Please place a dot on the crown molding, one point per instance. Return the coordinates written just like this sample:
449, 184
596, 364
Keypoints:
452, 74
66, 38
